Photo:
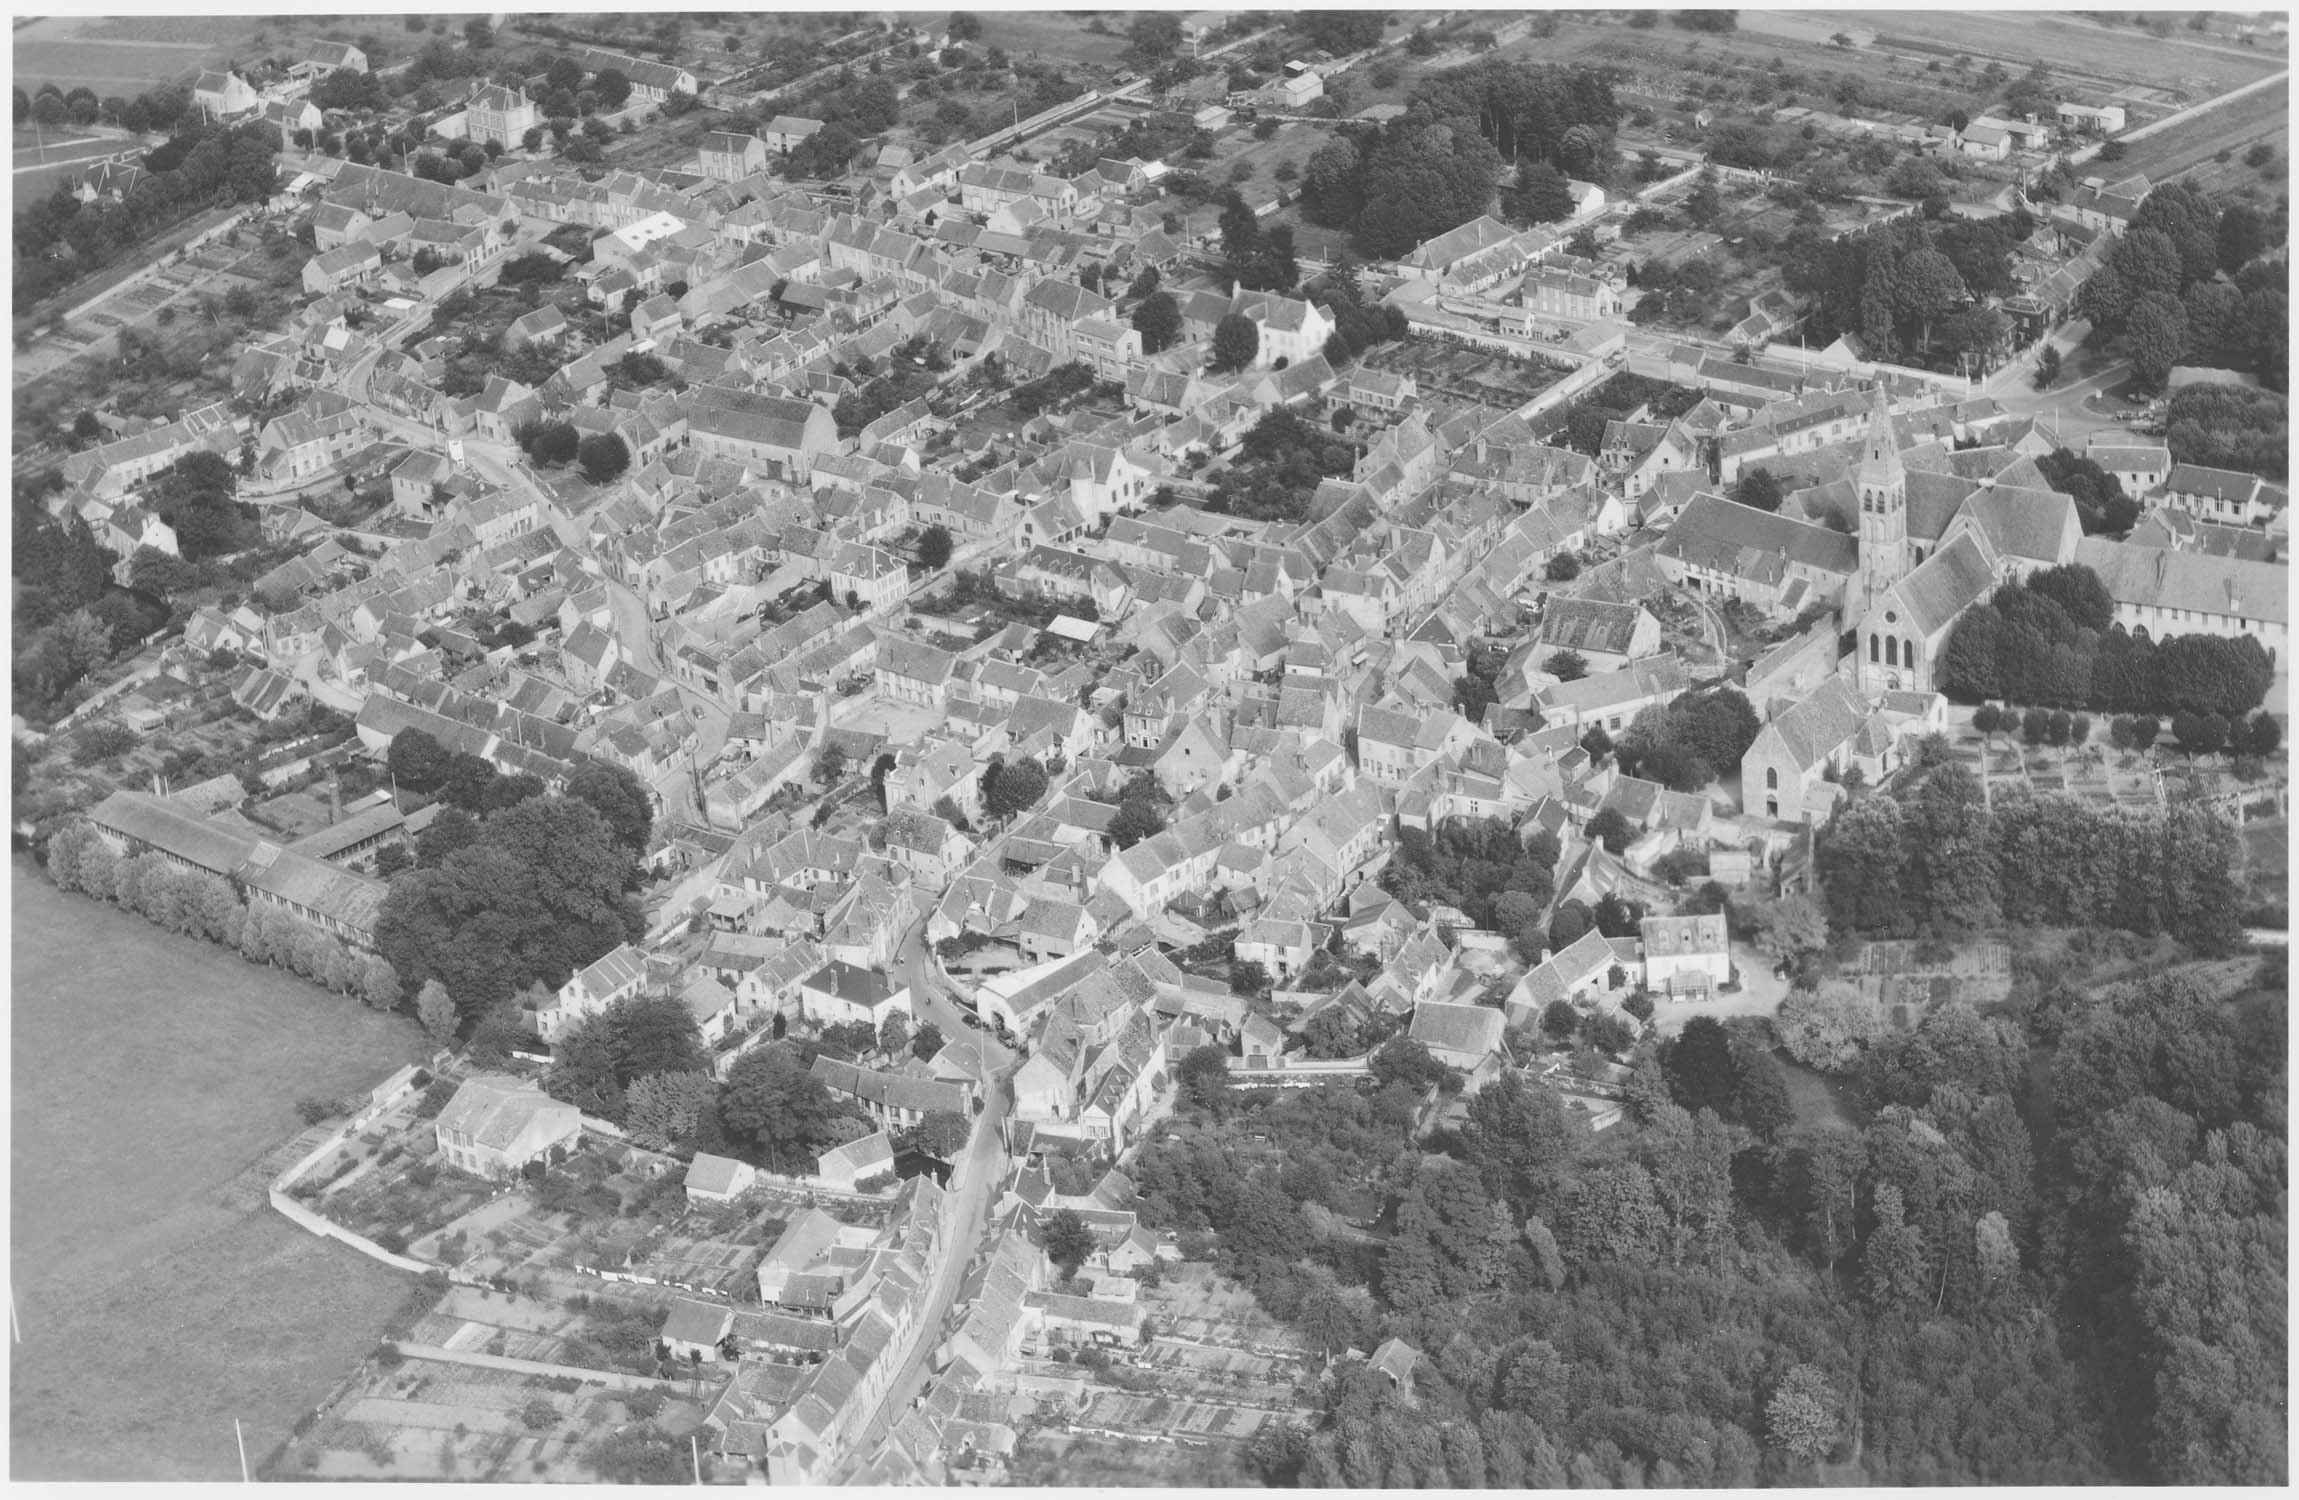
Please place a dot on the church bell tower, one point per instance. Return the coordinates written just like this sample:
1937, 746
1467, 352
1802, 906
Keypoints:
1883, 484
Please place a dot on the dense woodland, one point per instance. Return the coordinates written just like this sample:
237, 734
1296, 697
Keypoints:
1434, 168
1935, 857
1907, 287
2045, 1249
511, 886
2185, 285
2229, 427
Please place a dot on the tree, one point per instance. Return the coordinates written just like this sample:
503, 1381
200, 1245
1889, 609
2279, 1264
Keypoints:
1826, 1029
1236, 341
1249, 977
1925, 286
2156, 334
541, 891
1758, 490
1543, 194
1017, 788
2243, 234
1615, 1219
478, 32
893, 1034
830, 766
554, 444
1203, 1077
964, 26
1155, 36
1612, 830
776, 1114
662, 1110
943, 1133
416, 761
604, 457
2047, 367
934, 547
613, 86
1572, 920
1067, 1241
1157, 317
1560, 1020
377, 983
1137, 819
1566, 666
1801, 1416
620, 798
1790, 927
1699, 1067
1562, 568
436, 1011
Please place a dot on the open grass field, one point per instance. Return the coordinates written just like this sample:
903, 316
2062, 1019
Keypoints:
159, 1297
122, 56
2191, 145
1892, 53
128, 54
1057, 35
2069, 46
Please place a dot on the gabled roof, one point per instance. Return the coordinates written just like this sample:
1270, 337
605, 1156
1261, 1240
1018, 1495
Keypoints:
1816, 728
1474, 1030
1951, 580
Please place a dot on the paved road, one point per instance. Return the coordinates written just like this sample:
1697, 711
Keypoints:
932, 1001
975, 1181
2065, 404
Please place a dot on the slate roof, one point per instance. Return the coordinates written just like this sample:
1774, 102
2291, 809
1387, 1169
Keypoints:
1471, 1029
1590, 625
1718, 534
494, 1110
1813, 729
1948, 582
2154, 577
1669, 937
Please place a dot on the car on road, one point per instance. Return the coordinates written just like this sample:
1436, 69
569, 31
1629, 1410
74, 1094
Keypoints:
970, 1019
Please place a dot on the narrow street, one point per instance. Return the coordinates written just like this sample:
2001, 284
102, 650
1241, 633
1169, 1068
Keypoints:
974, 1183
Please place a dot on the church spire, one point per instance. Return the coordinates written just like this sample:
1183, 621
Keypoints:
1880, 447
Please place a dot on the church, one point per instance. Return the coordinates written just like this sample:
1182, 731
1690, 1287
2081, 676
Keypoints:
1920, 567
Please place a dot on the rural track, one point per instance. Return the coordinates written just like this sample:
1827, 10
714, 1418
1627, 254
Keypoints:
2272, 80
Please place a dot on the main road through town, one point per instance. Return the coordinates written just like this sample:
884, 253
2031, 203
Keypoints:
975, 1182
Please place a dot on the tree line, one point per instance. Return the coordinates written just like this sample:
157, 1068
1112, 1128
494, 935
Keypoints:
1936, 858
195, 903
2230, 427
1899, 285
1438, 166
2051, 640
2181, 287
200, 166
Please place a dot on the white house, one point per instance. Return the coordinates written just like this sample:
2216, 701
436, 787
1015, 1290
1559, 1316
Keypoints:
1686, 957
838, 993
718, 1179
495, 1125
